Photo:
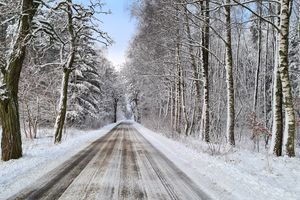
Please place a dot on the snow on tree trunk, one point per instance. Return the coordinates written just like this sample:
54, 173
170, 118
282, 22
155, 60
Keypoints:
196, 112
277, 136
60, 119
11, 143
289, 134
267, 80
178, 90
67, 69
277, 129
183, 103
205, 65
229, 78
255, 110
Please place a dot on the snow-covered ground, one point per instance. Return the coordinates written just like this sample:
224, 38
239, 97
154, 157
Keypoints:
41, 156
238, 174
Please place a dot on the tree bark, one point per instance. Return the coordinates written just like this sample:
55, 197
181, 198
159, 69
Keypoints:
11, 143
60, 119
255, 110
229, 78
277, 129
289, 134
267, 85
178, 90
67, 69
196, 82
115, 110
277, 136
183, 102
259, 48
205, 65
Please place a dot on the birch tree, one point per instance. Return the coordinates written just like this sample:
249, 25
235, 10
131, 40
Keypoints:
175, 59
290, 125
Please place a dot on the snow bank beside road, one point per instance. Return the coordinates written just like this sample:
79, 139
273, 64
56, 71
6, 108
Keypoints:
41, 156
237, 175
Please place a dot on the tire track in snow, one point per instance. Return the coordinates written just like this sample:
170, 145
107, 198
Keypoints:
130, 186
64, 175
88, 185
176, 182
120, 165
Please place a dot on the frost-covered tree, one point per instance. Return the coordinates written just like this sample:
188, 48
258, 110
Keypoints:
11, 144
175, 86
79, 24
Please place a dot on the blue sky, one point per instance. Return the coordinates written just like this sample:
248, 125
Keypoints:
120, 26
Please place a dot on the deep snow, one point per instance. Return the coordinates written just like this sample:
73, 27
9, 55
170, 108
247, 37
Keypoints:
41, 156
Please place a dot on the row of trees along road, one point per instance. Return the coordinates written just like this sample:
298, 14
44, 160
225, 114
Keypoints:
219, 70
47, 47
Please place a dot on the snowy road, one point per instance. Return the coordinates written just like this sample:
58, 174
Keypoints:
120, 165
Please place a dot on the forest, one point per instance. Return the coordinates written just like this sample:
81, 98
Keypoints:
224, 72
150, 99
54, 72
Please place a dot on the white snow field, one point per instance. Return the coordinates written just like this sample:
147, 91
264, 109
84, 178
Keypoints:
238, 174
41, 156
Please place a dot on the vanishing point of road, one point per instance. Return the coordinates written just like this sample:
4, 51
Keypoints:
120, 165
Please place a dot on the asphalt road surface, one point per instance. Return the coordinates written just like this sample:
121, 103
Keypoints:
120, 165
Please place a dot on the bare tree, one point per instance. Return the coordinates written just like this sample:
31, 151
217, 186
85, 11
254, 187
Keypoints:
9, 83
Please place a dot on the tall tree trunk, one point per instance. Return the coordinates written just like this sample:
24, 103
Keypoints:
277, 129
11, 143
266, 88
196, 82
255, 110
205, 65
67, 69
259, 47
289, 133
178, 90
229, 78
267, 85
179, 71
60, 119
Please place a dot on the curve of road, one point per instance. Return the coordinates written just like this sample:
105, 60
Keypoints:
120, 165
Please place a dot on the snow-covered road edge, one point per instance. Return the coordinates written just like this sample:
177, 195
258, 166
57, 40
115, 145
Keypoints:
226, 178
182, 158
42, 156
